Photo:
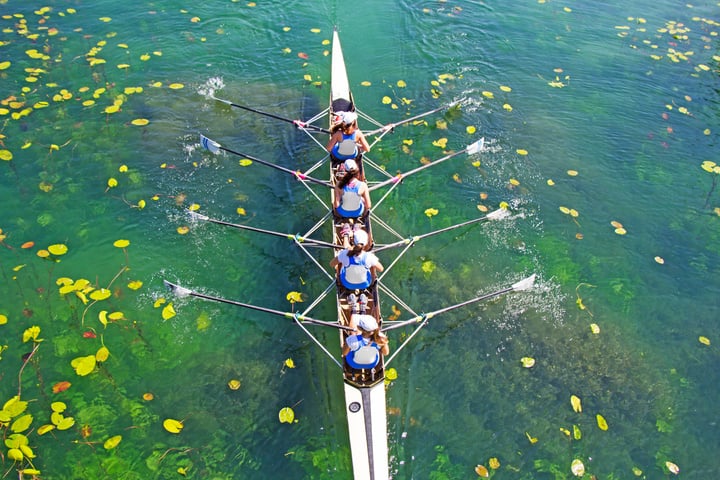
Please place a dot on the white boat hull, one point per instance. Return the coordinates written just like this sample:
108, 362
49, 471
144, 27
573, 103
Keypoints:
367, 425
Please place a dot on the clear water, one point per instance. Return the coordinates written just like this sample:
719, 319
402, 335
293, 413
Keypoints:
614, 115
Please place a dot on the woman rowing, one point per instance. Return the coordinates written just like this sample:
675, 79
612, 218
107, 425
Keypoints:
347, 141
355, 267
352, 196
363, 348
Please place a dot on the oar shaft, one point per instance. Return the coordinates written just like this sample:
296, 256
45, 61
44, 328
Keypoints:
298, 123
427, 316
415, 238
290, 236
296, 317
401, 176
296, 174
410, 119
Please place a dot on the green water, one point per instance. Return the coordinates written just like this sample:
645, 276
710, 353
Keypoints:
586, 95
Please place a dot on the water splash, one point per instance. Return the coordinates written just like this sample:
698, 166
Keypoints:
210, 86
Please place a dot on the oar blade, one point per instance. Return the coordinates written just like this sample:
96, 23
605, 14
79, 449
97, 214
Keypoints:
209, 144
197, 216
498, 214
524, 284
475, 147
226, 102
177, 289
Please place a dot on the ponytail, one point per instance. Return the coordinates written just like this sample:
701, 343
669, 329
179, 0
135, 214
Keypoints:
347, 178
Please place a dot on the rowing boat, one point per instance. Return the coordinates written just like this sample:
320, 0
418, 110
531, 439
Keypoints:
364, 389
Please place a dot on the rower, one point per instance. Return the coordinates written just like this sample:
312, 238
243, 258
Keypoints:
363, 349
347, 141
352, 195
356, 267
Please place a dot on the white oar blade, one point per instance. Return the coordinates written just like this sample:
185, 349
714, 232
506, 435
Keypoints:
226, 102
197, 216
475, 147
208, 144
178, 290
498, 214
524, 284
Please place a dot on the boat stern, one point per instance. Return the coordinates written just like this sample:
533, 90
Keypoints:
367, 425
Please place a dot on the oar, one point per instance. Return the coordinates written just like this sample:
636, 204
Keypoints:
524, 284
498, 214
297, 123
186, 292
215, 147
295, 237
470, 149
391, 126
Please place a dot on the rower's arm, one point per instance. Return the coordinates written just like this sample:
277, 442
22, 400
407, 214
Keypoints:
333, 141
364, 145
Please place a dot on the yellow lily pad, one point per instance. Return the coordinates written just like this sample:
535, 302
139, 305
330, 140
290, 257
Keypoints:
440, 142
58, 249
21, 423
674, 469
112, 442
482, 471
84, 365
45, 429
576, 403
65, 423
102, 354
286, 415
172, 425
168, 312
527, 362
15, 454
100, 294
602, 423
577, 468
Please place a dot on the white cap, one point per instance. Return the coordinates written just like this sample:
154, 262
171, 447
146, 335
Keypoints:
350, 164
349, 117
366, 322
360, 237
